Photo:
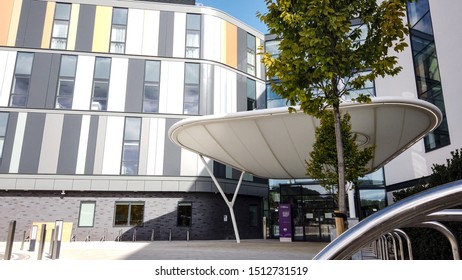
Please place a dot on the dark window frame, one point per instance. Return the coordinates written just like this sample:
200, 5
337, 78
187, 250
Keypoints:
70, 79
114, 44
16, 76
154, 102
80, 213
192, 30
192, 87
66, 21
184, 214
130, 205
128, 143
101, 81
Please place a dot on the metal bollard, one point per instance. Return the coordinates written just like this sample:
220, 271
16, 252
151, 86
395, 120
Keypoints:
152, 235
23, 239
10, 240
134, 235
187, 235
43, 235
170, 236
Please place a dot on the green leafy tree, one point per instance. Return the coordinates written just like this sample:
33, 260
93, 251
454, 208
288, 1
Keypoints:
323, 159
441, 174
324, 54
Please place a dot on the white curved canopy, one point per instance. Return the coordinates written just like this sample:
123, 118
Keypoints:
273, 143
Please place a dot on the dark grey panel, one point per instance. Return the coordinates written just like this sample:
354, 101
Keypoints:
53, 81
135, 79
206, 89
241, 50
91, 146
241, 93
166, 24
9, 142
35, 22
39, 80
22, 26
32, 143
85, 27
172, 153
69, 148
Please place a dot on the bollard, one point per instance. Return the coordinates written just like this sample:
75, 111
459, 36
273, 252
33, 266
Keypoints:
23, 239
33, 238
57, 239
43, 235
134, 235
170, 236
152, 235
10, 240
50, 249
187, 235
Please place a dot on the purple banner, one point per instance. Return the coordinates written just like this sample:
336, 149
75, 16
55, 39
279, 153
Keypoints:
285, 222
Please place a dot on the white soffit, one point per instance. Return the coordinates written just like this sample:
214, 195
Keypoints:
273, 143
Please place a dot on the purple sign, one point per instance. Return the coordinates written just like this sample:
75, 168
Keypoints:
285, 222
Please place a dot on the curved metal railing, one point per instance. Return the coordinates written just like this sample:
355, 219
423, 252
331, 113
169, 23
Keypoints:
425, 209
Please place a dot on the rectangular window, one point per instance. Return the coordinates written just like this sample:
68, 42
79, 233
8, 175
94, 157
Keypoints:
191, 88
129, 213
251, 54
65, 92
251, 95
101, 84
60, 26
87, 213
21, 80
131, 146
118, 30
193, 35
184, 214
151, 87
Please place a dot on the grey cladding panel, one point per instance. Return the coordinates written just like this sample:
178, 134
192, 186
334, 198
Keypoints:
166, 24
32, 143
39, 80
22, 26
172, 153
135, 79
241, 93
35, 22
69, 148
9, 142
241, 50
91, 147
53, 81
84, 39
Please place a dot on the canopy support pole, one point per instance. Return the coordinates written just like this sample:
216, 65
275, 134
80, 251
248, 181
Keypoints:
230, 204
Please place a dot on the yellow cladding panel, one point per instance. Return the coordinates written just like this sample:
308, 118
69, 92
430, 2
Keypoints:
66, 233
72, 35
231, 45
14, 22
48, 26
102, 31
6, 10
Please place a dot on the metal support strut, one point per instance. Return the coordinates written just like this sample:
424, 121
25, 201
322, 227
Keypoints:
229, 203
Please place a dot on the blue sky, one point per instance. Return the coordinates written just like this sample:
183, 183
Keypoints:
244, 10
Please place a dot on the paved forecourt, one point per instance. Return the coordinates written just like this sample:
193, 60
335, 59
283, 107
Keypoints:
173, 250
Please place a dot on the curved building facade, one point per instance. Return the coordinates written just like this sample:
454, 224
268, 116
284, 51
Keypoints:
88, 91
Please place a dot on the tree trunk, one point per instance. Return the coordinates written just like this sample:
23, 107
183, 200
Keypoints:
341, 170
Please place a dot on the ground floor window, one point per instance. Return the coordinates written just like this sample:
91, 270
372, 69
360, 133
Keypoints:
87, 213
184, 214
129, 213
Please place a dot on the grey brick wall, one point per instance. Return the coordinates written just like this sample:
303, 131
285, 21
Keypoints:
208, 210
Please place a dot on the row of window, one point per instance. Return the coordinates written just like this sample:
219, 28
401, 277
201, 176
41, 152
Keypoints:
426, 68
119, 34
130, 213
100, 94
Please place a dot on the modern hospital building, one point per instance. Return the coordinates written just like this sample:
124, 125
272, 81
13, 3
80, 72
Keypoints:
90, 88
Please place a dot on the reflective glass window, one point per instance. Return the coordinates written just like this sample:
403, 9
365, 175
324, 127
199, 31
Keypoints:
191, 89
118, 30
21, 80
193, 35
151, 87
60, 26
131, 146
65, 92
129, 213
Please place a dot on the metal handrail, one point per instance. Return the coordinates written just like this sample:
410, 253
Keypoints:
405, 213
